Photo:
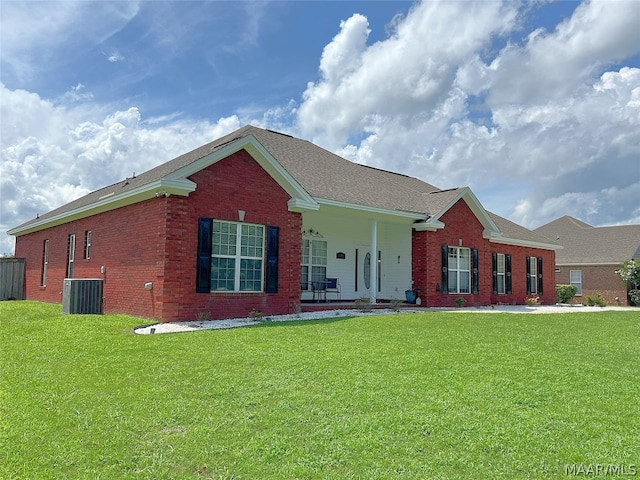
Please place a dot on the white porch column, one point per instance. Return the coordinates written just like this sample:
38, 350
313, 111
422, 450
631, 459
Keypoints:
374, 261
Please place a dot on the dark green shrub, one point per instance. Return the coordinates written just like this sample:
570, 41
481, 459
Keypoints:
634, 295
594, 300
564, 293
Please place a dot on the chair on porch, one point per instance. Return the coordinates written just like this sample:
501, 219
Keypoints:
319, 290
333, 286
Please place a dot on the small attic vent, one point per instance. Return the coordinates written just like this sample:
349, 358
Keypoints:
445, 190
280, 133
107, 196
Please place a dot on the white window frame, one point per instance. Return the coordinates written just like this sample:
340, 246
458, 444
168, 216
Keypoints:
87, 246
578, 283
501, 286
72, 254
244, 250
533, 275
456, 271
45, 263
313, 265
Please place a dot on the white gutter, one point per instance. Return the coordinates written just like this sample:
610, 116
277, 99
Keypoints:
111, 201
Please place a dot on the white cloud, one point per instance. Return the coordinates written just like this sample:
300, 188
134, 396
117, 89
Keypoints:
407, 75
115, 57
541, 128
53, 154
552, 65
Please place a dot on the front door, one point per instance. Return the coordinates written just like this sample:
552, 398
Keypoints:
364, 281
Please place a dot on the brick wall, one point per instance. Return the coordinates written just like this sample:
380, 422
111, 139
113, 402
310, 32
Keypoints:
156, 241
235, 183
461, 224
600, 279
125, 241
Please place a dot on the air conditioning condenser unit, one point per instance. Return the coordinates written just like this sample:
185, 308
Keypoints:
82, 295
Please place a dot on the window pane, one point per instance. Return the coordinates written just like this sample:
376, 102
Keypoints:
575, 278
453, 258
304, 278
222, 273
533, 280
500, 271
465, 256
452, 282
318, 274
319, 252
224, 238
305, 251
250, 275
465, 282
251, 241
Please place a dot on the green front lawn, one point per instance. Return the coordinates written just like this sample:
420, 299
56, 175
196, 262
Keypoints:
432, 395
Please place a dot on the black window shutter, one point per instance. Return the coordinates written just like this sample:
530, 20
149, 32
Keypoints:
273, 234
203, 266
474, 272
445, 269
494, 269
540, 282
356, 272
528, 260
507, 274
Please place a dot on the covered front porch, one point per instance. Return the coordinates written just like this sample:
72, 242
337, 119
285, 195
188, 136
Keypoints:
350, 256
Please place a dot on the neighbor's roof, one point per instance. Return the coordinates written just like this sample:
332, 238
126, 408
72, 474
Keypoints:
585, 244
322, 174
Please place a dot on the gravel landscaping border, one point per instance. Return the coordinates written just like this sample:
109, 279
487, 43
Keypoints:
191, 326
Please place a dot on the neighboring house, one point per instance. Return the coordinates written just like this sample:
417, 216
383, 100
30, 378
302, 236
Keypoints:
591, 256
256, 218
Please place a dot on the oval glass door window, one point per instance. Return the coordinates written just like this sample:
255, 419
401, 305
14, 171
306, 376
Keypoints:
367, 271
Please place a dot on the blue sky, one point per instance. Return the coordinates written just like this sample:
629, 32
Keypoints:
534, 105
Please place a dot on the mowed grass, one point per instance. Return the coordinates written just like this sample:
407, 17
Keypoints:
430, 395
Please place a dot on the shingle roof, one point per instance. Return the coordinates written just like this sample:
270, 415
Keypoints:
585, 244
512, 230
324, 175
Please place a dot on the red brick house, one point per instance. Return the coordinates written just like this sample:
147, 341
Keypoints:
591, 255
256, 219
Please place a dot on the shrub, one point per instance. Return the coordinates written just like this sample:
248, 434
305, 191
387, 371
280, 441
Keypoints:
564, 293
532, 300
630, 272
634, 295
364, 304
460, 302
395, 304
256, 315
203, 316
594, 300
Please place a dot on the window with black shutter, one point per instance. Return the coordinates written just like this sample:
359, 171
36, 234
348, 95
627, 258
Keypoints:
203, 266
445, 269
